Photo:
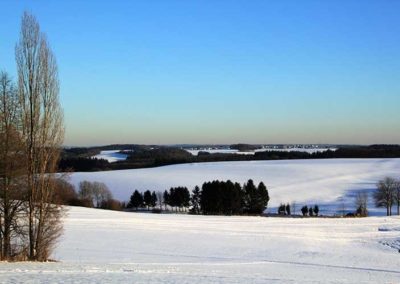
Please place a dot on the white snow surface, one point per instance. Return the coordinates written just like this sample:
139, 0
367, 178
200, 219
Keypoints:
330, 183
111, 156
101, 246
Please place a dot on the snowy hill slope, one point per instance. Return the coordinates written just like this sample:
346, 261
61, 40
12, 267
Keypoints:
115, 247
327, 182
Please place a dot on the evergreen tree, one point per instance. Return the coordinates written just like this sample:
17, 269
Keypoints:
250, 197
147, 199
209, 198
153, 199
136, 200
179, 197
185, 197
288, 209
282, 209
173, 198
262, 197
310, 211
316, 210
304, 210
195, 201
255, 198
166, 199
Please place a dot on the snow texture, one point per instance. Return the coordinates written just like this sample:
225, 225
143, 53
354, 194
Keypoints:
101, 246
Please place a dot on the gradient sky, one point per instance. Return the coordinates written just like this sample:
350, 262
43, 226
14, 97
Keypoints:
164, 72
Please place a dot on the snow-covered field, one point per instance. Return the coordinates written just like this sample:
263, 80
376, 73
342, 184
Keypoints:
111, 156
101, 246
330, 183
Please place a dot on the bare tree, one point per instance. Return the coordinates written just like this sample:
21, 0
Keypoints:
85, 190
384, 194
160, 199
101, 193
42, 134
342, 206
293, 207
95, 193
65, 192
361, 204
397, 196
11, 189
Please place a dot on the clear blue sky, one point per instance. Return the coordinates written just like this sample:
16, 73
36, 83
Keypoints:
168, 72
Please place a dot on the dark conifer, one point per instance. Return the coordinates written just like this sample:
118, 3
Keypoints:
195, 201
153, 199
304, 210
166, 199
288, 209
147, 199
136, 200
310, 211
316, 210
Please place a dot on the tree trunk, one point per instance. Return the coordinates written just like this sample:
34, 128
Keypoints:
1, 241
6, 238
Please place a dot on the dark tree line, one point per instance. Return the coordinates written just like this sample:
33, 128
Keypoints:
284, 209
216, 197
219, 197
228, 198
310, 211
177, 197
146, 200
145, 156
82, 164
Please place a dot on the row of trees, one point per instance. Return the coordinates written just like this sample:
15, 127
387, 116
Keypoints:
147, 199
79, 159
305, 210
176, 198
310, 211
219, 197
96, 194
216, 197
89, 194
31, 135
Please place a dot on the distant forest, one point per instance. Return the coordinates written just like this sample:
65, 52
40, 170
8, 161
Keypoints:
143, 156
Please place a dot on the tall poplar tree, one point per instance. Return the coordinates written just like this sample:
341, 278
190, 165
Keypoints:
42, 134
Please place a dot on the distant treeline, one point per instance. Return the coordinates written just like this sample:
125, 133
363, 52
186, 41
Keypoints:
78, 159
